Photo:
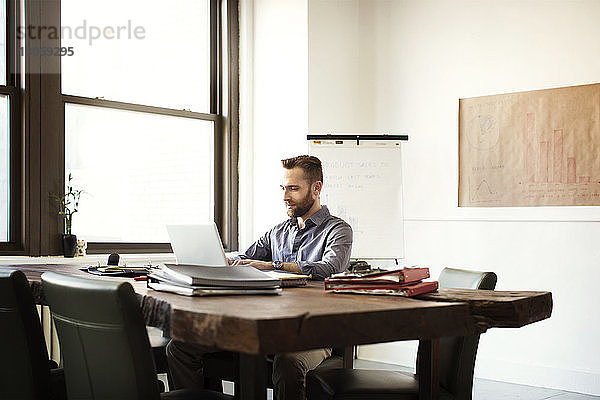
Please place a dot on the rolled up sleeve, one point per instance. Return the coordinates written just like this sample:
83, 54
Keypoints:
260, 250
336, 254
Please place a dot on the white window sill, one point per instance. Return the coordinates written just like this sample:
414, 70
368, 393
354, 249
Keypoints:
91, 259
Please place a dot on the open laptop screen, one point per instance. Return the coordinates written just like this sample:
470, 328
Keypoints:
197, 245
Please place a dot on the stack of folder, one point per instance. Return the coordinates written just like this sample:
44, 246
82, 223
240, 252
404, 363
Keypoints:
406, 282
198, 280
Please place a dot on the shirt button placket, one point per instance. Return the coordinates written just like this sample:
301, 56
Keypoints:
293, 237
296, 246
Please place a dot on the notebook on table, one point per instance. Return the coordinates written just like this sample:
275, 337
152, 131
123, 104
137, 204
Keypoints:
200, 275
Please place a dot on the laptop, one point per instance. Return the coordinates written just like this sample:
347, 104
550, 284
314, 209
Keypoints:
197, 245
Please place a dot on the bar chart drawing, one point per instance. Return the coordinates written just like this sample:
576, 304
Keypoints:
571, 170
549, 150
558, 155
537, 148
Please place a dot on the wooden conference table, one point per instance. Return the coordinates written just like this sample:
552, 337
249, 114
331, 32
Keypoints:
308, 318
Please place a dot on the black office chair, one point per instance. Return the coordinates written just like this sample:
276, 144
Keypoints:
456, 362
25, 371
104, 342
158, 344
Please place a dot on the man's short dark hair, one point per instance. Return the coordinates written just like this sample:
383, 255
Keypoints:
311, 165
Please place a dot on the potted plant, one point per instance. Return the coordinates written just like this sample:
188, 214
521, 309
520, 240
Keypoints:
68, 205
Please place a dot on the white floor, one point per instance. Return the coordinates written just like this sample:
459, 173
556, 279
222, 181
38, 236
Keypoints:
485, 389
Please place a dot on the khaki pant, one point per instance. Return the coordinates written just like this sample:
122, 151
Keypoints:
289, 369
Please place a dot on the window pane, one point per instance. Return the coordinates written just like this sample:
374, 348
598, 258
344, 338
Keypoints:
3, 42
4, 168
139, 172
138, 51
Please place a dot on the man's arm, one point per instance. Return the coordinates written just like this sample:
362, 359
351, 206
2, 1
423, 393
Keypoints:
268, 265
336, 255
259, 250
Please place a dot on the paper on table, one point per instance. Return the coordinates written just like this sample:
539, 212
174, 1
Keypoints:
286, 275
289, 279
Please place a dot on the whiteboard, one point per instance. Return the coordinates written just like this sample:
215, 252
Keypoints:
362, 184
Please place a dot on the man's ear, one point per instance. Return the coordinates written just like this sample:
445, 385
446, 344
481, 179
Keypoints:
317, 186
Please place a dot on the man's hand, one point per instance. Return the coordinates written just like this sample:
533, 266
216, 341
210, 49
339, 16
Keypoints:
264, 265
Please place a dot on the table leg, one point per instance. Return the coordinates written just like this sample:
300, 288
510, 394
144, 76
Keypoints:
253, 377
429, 372
348, 357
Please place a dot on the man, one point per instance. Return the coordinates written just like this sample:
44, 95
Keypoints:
312, 242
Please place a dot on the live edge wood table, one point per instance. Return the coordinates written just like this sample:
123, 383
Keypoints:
309, 318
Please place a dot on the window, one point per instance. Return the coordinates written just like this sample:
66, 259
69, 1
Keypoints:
4, 168
139, 171
3, 42
138, 101
10, 157
138, 51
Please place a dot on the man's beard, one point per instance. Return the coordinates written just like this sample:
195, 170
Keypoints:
301, 208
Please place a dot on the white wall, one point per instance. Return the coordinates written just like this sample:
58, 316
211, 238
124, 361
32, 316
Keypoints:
401, 66
336, 66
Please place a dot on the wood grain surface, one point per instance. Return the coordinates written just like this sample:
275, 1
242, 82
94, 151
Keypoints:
309, 317
500, 309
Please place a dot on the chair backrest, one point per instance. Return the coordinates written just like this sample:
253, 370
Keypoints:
457, 354
463, 279
24, 370
105, 346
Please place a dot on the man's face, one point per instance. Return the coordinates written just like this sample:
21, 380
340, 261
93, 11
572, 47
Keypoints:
297, 194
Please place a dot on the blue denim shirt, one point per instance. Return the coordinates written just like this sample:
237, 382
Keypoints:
321, 248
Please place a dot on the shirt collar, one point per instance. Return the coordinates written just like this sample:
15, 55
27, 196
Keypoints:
320, 216
317, 219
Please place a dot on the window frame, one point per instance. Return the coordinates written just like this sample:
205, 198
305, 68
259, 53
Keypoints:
41, 108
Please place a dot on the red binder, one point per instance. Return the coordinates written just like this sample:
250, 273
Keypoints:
400, 276
410, 290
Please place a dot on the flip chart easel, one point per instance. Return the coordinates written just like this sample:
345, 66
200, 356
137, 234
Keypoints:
363, 185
